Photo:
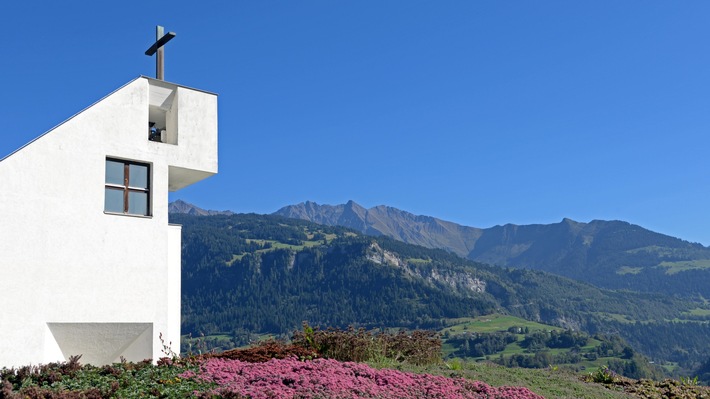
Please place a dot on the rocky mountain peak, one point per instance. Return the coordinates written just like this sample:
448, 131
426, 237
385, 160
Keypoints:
180, 206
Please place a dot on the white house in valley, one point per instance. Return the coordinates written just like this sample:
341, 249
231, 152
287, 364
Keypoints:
89, 264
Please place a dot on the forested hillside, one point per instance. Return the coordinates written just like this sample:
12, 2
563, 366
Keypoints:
267, 274
608, 254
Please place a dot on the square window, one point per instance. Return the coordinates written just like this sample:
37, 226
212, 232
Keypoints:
127, 188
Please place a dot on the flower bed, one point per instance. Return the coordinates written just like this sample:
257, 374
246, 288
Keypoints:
326, 378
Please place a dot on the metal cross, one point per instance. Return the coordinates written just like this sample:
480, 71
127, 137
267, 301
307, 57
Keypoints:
160, 40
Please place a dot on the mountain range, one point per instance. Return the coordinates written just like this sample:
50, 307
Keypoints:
246, 274
609, 254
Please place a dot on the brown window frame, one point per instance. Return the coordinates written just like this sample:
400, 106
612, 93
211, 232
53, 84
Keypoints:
127, 188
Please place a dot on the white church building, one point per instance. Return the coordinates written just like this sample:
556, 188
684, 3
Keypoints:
89, 264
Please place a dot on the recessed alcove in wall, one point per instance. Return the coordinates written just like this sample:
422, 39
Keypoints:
99, 343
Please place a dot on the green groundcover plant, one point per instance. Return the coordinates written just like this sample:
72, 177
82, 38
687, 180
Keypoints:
121, 380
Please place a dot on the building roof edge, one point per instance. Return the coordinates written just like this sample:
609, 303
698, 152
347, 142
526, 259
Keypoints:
177, 84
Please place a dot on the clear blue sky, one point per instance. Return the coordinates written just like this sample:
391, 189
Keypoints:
478, 112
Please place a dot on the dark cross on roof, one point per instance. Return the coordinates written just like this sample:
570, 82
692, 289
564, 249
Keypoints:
160, 40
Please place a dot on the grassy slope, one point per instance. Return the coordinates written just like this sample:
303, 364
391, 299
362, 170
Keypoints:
498, 323
493, 323
548, 383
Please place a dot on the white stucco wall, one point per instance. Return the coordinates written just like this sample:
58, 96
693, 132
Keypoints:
64, 262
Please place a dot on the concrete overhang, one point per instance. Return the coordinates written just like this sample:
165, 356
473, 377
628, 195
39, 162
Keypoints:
182, 177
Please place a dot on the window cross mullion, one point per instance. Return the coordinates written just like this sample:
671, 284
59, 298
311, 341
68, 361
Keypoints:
125, 187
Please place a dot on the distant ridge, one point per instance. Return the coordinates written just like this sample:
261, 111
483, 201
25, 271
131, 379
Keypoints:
181, 206
610, 254
426, 231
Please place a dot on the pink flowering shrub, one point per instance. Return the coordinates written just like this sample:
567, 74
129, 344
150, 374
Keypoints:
326, 378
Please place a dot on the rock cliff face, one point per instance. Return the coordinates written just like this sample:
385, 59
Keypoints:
456, 281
